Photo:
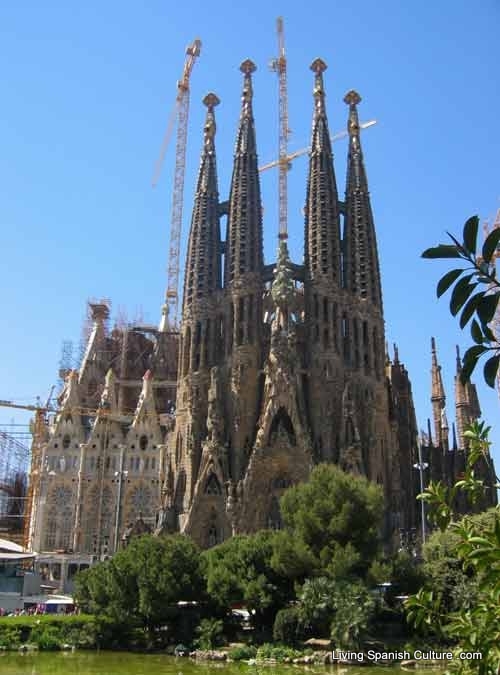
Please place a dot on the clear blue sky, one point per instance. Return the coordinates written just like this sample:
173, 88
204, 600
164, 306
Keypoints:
86, 93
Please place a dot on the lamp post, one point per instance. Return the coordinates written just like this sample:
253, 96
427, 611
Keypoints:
120, 474
421, 466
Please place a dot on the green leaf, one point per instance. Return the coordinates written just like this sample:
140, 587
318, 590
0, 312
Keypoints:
488, 334
446, 281
487, 307
469, 361
491, 370
442, 251
470, 308
490, 245
461, 293
476, 332
470, 233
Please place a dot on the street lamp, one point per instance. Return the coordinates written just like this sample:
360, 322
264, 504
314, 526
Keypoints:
120, 474
421, 466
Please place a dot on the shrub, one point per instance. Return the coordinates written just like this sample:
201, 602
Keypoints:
287, 626
210, 633
243, 653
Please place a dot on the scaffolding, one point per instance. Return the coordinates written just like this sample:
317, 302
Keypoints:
14, 464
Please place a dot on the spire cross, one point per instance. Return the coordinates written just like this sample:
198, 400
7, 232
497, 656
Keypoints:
247, 68
210, 100
318, 66
352, 98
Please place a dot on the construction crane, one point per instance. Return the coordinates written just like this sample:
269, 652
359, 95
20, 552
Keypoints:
304, 151
181, 113
39, 427
278, 65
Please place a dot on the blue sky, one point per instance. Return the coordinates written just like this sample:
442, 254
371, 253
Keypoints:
86, 92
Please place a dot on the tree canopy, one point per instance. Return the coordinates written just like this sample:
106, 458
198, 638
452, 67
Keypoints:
332, 524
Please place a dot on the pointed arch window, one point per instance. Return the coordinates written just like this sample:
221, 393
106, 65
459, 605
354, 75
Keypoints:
212, 486
212, 536
274, 521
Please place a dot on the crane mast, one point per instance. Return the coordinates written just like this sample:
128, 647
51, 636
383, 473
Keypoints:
39, 428
181, 112
279, 66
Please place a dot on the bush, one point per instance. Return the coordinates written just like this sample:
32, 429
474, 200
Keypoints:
287, 626
210, 633
278, 652
49, 632
243, 653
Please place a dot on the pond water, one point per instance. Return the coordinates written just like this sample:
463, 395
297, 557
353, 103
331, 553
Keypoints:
124, 663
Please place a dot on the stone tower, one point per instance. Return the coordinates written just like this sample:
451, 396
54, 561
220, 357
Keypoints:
275, 368
282, 366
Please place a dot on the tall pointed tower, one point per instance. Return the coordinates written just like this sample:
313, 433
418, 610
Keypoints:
322, 284
201, 321
243, 284
438, 400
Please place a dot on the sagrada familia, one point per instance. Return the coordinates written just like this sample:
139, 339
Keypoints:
275, 368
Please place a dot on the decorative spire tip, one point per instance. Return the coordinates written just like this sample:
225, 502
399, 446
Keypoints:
248, 67
352, 98
318, 66
211, 100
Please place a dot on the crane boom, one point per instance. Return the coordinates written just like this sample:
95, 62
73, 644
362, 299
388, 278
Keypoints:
279, 66
181, 112
303, 151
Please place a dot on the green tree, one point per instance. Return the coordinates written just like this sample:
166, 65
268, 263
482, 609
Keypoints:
332, 522
142, 584
473, 626
241, 571
476, 294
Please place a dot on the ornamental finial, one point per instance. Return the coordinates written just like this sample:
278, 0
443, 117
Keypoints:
247, 68
211, 100
352, 98
318, 66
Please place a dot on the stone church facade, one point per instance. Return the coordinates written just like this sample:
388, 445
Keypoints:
276, 367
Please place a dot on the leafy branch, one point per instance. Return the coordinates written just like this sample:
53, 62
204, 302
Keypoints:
476, 294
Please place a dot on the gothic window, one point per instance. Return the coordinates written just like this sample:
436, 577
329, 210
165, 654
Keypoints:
143, 442
282, 424
66, 442
376, 361
241, 320
281, 483
141, 499
346, 339
357, 359
274, 516
61, 497
212, 536
187, 349
50, 531
208, 343
212, 486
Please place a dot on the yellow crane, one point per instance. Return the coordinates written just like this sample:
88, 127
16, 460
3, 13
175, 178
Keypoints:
304, 151
278, 65
181, 113
38, 431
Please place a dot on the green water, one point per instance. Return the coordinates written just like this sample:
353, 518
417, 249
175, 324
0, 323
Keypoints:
124, 663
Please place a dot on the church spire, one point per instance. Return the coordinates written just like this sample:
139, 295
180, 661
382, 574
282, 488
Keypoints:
244, 230
322, 229
203, 273
438, 397
361, 266
466, 403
